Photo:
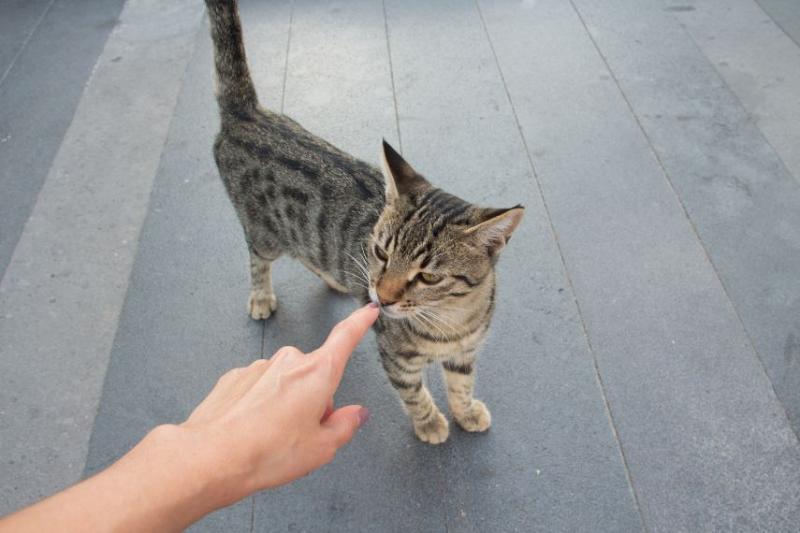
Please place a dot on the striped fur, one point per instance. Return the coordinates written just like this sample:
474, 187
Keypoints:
426, 256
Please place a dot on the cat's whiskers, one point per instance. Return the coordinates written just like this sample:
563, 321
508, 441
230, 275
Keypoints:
361, 277
435, 321
358, 279
422, 314
450, 310
366, 261
364, 276
359, 264
444, 321
427, 324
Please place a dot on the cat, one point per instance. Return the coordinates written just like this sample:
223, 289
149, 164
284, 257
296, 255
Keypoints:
424, 256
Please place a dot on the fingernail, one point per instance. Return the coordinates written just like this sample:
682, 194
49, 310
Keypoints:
372, 305
363, 416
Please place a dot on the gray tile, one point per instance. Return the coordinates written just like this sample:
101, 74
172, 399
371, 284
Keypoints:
550, 461
266, 32
18, 22
184, 322
736, 190
338, 82
707, 441
786, 14
759, 63
236, 518
64, 287
39, 96
738, 194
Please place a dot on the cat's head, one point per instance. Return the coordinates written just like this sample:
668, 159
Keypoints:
431, 251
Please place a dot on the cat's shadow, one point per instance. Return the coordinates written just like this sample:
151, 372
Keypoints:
307, 309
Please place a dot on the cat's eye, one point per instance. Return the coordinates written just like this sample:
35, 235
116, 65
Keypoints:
429, 279
380, 253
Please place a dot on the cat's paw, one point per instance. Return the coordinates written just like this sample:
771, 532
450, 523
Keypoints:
476, 418
435, 431
261, 304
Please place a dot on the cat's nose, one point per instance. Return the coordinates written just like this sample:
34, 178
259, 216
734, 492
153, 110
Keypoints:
386, 297
388, 291
384, 301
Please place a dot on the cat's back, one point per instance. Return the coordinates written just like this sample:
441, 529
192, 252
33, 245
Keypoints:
282, 152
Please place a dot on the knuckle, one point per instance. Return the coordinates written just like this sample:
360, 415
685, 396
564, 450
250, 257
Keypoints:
228, 376
287, 351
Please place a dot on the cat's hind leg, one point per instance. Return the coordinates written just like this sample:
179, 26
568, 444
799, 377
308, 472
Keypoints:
262, 301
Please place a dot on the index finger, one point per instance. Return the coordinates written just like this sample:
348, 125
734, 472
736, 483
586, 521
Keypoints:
344, 337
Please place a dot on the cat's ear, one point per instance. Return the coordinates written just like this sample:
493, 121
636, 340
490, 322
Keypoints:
495, 228
400, 177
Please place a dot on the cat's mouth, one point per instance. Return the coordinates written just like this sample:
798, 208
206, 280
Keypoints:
390, 311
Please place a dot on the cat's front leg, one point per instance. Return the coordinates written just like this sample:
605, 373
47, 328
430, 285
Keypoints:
405, 375
469, 413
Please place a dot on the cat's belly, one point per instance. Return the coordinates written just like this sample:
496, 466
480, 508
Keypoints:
332, 282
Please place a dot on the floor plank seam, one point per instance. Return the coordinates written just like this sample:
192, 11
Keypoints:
391, 77
263, 354
443, 479
288, 50
252, 513
750, 118
26, 41
696, 234
584, 330
2, 80
775, 21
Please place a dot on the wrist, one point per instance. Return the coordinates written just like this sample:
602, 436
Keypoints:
195, 464
174, 477
218, 476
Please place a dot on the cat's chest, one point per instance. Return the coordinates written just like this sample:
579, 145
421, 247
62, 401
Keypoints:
440, 349
433, 345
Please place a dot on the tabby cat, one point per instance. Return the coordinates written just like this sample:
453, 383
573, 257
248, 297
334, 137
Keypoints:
425, 256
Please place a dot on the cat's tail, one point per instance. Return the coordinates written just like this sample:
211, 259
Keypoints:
235, 89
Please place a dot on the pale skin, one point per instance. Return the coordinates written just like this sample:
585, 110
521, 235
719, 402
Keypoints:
261, 426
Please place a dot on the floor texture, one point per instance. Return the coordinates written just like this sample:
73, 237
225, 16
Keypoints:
643, 368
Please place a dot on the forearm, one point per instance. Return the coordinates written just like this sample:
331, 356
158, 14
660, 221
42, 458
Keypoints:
164, 483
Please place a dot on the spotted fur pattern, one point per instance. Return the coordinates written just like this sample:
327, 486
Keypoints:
427, 257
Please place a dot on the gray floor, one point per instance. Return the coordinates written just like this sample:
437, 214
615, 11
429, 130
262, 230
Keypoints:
643, 369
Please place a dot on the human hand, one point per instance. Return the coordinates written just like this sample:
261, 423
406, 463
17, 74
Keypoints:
260, 427
273, 421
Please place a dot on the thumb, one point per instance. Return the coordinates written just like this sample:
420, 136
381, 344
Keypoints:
344, 422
